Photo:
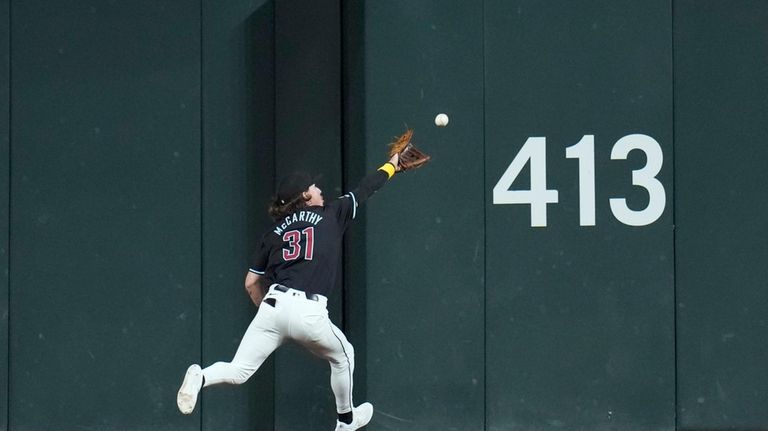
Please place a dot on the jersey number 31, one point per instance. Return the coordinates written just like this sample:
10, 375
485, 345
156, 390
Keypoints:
293, 238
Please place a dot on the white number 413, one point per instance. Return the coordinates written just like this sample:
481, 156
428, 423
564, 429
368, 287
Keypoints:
534, 150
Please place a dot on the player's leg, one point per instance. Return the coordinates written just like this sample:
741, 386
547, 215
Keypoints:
320, 336
340, 354
259, 341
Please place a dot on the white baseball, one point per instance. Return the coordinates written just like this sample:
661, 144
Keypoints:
441, 120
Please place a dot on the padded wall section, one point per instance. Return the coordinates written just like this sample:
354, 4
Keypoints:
354, 168
580, 325
238, 166
308, 138
425, 249
106, 200
5, 88
721, 89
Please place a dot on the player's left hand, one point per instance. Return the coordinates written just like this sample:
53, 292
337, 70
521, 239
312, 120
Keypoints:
395, 161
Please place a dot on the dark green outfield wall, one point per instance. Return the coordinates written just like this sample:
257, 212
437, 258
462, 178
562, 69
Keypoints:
579, 319
5, 89
307, 137
424, 233
105, 210
721, 89
141, 141
237, 117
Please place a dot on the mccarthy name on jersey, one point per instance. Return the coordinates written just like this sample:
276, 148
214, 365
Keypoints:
306, 216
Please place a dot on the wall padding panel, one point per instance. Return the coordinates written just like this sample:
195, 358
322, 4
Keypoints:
721, 89
105, 287
238, 165
425, 248
580, 325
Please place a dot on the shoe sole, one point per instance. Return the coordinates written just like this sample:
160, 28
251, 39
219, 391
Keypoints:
370, 415
187, 397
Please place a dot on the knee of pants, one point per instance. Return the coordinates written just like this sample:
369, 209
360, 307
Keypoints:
351, 354
242, 376
347, 359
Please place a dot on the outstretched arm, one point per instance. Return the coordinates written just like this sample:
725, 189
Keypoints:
374, 181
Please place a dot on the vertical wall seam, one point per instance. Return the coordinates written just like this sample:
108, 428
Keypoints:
274, 94
202, 200
343, 147
674, 218
8, 245
274, 170
485, 239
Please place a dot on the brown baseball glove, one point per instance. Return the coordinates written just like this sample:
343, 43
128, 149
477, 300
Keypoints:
410, 156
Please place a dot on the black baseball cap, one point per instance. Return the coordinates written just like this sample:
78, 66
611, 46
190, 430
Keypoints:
292, 185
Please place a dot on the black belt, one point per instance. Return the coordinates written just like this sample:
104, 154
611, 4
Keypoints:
311, 297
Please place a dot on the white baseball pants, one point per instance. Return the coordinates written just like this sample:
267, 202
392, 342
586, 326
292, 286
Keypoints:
296, 318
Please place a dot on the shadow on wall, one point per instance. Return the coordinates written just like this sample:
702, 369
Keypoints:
259, 58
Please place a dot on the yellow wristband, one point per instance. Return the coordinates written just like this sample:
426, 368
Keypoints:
389, 168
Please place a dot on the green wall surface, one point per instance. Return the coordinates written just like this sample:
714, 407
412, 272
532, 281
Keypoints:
144, 141
308, 138
5, 88
238, 152
353, 157
425, 249
579, 325
105, 194
721, 89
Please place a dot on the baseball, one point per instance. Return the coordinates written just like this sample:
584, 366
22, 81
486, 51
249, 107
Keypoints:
441, 120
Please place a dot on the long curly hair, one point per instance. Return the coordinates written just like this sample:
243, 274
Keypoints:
278, 210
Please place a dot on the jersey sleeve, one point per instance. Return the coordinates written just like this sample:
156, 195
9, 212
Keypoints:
345, 207
260, 259
369, 185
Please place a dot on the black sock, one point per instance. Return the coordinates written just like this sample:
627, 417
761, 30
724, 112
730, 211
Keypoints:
346, 417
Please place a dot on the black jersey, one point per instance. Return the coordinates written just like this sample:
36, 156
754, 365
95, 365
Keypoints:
303, 250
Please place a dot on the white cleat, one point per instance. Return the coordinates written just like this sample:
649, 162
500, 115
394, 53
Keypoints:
187, 396
361, 415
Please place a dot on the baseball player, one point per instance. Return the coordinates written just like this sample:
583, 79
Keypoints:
299, 256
